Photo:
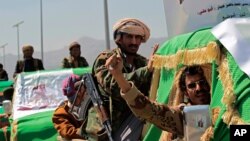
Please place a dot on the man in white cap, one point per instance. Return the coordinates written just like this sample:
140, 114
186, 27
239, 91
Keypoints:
129, 33
28, 63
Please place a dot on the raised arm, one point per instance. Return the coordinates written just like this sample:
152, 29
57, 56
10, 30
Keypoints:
163, 116
140, 75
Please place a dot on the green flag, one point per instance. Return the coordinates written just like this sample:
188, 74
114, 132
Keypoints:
230, 87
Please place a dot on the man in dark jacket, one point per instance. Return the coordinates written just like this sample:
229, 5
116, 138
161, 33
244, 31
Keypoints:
28, 63
3, 74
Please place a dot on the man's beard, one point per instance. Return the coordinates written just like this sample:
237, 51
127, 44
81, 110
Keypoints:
202, 91
126, 52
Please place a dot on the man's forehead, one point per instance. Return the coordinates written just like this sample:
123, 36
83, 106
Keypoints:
129, 34
193, 78
28, 49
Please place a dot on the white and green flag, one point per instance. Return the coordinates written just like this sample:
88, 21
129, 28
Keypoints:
36, 96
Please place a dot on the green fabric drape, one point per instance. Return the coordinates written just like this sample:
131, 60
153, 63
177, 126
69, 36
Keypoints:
38, 126
241, 82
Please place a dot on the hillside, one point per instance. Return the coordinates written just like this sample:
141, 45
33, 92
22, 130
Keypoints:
90, 49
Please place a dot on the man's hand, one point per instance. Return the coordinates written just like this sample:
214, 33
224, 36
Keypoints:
151, 59
114, 64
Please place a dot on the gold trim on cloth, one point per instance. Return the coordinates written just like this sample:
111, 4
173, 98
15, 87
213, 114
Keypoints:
231, 116
14, 130
200, 56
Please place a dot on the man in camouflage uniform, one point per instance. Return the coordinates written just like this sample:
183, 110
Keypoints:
28, 63
128, 35
192, 83
75, 60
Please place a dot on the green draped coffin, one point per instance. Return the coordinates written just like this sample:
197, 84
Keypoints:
230, 87
31, 121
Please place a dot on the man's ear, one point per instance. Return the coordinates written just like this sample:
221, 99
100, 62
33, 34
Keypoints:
119, 41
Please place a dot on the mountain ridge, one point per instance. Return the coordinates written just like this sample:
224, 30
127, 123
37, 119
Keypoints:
90, 48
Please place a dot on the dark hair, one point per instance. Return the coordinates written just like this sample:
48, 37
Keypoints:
189, 70
1, 65
116, 33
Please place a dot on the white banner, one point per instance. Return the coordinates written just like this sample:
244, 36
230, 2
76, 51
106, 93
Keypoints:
39, 91
234, 34
184, 16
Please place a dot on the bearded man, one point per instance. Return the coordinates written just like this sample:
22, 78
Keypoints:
128, 33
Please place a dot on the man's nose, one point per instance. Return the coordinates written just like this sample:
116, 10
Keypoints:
133, 40
198, 86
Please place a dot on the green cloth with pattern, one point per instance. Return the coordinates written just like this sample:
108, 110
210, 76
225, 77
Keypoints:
39, 126
230, 85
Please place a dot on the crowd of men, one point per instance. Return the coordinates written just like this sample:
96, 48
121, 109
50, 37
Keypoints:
29, 63
123, 77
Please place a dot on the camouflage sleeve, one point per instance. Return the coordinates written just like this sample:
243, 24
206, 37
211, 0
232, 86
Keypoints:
65, 63
85, 63
139, 77
106, 80
163, 116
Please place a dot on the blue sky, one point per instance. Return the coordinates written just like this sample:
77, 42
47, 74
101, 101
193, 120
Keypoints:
65, 21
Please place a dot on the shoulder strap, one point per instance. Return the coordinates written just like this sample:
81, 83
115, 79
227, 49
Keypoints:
85, 105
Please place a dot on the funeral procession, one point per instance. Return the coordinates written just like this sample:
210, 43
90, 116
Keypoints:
125, 70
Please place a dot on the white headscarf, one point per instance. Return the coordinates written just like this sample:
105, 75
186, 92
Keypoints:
131, 26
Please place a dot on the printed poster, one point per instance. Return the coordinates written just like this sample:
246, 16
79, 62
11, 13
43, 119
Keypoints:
183, 16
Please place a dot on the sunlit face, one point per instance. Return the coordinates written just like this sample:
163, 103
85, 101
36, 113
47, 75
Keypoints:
197, 89
130, 42
75, 52
28, 52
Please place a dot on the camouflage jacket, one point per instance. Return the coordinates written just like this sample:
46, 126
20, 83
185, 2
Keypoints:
69, 63
165, 117
139, 74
